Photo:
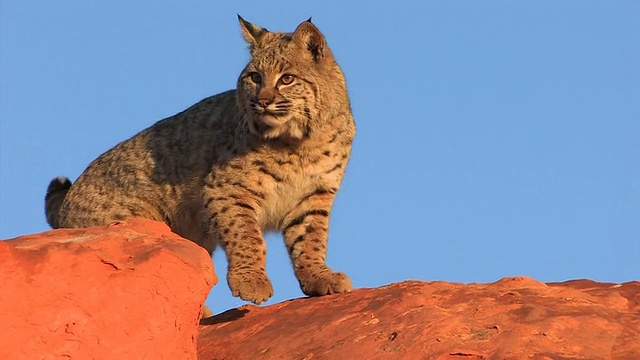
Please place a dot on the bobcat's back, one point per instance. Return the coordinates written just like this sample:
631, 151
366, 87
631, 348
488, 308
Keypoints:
155, 173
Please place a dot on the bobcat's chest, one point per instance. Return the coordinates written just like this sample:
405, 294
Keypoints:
292, 183
286, 179
283, 196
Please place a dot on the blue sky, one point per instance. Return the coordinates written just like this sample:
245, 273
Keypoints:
495, 138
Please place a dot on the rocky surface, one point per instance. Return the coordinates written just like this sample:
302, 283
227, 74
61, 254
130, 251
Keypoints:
134, 290
131, 290
514, 318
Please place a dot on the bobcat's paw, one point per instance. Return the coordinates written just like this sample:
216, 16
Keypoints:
252, 286
325, 282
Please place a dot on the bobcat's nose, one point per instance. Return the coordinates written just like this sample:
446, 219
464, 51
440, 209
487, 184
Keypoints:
264, 102
265, 97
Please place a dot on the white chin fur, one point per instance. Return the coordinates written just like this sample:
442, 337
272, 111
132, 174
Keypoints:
289, 130
272, 121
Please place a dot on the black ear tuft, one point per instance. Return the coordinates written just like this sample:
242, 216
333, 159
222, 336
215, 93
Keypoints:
310, 38
251, 33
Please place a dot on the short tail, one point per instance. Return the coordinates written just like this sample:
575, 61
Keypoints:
57, 190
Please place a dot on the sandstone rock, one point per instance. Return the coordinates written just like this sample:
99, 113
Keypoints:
514, 318
130, 290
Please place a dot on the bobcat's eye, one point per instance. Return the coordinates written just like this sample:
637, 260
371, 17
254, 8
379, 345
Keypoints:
255, 77
287, 79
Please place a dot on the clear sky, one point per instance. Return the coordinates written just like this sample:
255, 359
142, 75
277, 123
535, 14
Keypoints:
495, 138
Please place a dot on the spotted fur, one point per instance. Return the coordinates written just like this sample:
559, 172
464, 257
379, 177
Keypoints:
269, 155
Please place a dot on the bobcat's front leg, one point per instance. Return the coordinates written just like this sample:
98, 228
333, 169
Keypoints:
233, 219
305, 231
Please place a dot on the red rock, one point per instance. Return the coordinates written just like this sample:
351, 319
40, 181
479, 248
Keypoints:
135, 290
130, 290
514, 318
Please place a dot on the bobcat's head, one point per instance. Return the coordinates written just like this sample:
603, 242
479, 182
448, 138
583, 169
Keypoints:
291, 84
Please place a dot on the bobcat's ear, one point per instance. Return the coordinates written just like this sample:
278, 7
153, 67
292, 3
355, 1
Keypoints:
311, 39
251, 33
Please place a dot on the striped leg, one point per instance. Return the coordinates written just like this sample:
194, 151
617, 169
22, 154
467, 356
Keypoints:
234, 221
305, 234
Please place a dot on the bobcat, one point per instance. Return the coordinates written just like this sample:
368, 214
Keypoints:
269, 155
